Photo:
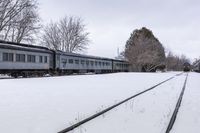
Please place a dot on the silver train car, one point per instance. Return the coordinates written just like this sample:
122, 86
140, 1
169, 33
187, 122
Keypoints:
28, 60
23, 60
76, 63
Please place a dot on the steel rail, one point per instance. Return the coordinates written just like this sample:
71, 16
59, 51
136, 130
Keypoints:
178, 104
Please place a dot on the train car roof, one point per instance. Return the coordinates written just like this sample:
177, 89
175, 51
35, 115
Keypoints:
22, 46
87, 56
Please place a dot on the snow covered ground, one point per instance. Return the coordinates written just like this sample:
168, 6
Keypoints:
188, 119
149, 113
48, 105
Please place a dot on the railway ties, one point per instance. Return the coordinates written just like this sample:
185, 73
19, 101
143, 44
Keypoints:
178, 104
76, 125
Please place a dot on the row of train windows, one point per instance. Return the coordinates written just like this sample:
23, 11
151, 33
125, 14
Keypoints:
22, 58
121, 65
71, 61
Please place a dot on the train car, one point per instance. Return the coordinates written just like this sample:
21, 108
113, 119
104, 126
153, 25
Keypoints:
120, 66
67, 63
23, 60
186, 67
29, 60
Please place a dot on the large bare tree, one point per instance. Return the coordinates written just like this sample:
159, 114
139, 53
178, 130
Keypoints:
67, 35
19, 20
144, 51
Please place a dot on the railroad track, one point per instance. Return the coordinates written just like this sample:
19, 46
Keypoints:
178, 104
70, 128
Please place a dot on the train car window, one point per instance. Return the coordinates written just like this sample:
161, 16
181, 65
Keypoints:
96, 63
99, 63
92, 63
82, 62
87, 62
20, 57
76, 61
45, 59
103, 63
32, 58
71, 61
10, 56
5, 56
40, 59
28, 58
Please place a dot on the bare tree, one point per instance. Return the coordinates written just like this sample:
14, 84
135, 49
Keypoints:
175, 63
144, 51
51, 37
66, 35
19, 20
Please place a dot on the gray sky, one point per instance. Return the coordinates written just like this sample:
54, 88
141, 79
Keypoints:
174, 22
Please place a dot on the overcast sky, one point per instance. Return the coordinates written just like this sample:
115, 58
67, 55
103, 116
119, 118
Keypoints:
110, 22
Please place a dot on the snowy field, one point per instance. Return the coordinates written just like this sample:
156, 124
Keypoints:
48, 105
149, 113
188, 119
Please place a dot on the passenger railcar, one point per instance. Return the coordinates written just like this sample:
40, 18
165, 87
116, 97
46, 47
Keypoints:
22, 60
26, 60
186, 67
76, 63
